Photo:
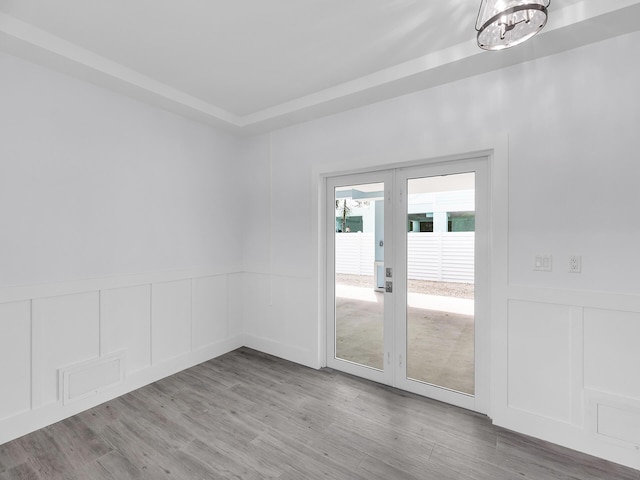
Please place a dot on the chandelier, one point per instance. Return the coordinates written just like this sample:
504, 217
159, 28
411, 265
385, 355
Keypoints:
506, 23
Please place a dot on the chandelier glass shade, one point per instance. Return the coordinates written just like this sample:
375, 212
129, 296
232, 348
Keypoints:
506, 23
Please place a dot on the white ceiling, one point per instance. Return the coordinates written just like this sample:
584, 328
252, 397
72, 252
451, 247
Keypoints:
253, 65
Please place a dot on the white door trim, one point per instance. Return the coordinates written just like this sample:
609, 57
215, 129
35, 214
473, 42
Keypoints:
496, 148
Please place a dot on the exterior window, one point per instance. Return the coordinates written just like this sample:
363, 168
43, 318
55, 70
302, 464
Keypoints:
461, 221
420, 222
353, 224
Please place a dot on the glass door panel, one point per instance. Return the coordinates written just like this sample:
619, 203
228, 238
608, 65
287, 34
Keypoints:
359, 326
440, 330
359, 297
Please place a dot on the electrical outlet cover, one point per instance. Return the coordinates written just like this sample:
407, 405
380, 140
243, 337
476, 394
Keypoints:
575, 264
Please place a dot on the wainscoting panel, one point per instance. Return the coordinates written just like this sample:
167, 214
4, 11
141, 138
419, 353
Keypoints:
280, 317
539, 367
572, 375
125, 324
15, 358
67, 332
171, 320
209, 315
612, 352
619, 423
259, 305
89, 378
71, 346
298, 300
235, 304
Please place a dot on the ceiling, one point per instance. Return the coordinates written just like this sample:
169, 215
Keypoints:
255, 65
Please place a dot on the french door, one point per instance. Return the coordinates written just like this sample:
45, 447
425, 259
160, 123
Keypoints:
407, 279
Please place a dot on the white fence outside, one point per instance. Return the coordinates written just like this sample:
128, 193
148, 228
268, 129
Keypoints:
438, 256
355, 253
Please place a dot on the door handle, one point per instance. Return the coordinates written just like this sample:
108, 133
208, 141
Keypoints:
388, 287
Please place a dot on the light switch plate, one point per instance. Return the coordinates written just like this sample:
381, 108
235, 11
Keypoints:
542, 262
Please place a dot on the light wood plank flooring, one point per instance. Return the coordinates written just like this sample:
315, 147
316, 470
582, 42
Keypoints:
247, 415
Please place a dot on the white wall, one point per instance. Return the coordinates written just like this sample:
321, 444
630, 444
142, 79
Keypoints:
119, 217
572, 122
118, 254
96, 184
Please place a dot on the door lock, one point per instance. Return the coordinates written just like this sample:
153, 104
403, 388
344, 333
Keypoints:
388, 287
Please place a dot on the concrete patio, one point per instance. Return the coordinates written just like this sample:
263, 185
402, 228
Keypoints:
440, 331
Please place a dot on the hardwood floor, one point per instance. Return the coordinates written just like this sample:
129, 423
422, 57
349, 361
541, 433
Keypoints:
247, 415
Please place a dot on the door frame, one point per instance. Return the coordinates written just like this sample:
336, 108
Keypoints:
496, 149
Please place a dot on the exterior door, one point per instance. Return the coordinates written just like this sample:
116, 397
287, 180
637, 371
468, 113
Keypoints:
359, 245
440, 289
407, 279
